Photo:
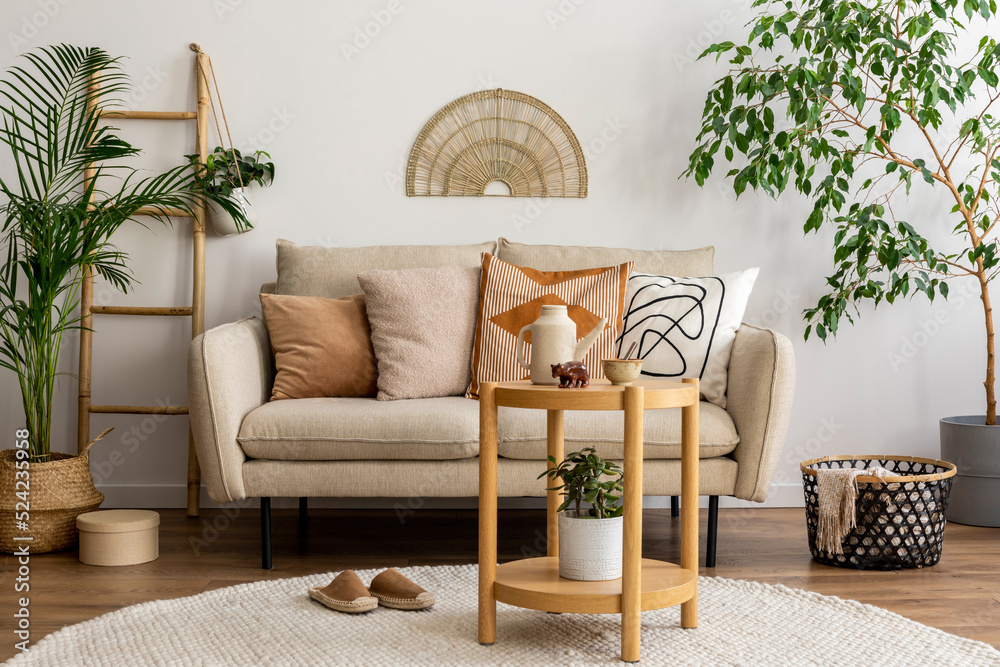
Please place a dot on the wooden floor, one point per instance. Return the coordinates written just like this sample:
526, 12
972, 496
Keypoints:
960, 595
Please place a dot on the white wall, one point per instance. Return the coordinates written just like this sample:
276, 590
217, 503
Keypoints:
340, 124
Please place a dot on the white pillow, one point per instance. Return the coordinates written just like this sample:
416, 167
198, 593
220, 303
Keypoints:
685, 327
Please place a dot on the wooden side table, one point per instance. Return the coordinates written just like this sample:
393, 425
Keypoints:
645, 584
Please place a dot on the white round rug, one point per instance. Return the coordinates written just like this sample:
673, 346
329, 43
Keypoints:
276, 623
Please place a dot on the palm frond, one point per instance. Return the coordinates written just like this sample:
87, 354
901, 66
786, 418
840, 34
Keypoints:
52, 115
54, 229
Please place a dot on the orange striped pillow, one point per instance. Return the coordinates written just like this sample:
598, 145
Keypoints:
512, 297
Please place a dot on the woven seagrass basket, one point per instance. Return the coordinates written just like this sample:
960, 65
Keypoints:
900, 522
59, 490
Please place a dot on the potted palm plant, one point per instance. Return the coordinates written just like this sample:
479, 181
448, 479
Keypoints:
69, 193
229, 173
590, 538
851, 104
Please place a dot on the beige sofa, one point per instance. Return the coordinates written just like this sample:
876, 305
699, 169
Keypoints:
360, 447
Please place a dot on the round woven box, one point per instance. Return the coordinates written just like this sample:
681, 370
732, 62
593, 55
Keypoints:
119, 537
900, 521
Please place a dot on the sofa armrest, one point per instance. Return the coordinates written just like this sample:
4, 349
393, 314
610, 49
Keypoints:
759, 399
229, 375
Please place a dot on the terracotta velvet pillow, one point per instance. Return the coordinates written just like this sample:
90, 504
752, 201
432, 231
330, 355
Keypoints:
513, 296
322, 347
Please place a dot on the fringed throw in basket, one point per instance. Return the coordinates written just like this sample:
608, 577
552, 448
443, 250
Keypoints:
58, 491
900, 521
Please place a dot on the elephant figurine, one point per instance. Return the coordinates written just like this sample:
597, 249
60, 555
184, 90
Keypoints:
571, 374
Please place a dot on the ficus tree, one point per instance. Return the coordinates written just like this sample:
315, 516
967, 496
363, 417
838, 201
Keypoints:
852, 104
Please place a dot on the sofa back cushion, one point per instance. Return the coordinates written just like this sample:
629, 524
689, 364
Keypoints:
333, 272
698, 262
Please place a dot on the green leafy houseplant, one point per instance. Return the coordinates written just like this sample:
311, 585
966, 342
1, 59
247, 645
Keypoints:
229, 173
851, 103
586, 477
52, 232
228, 170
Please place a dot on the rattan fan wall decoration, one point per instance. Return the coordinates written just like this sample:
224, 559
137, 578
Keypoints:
496, 135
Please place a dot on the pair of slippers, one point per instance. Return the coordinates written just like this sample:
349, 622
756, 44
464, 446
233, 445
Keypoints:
346, 593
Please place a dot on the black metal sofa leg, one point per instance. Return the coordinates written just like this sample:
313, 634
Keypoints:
265, 533
303, 514
675, 507
713, 530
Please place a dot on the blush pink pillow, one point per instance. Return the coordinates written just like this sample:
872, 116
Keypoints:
423, 322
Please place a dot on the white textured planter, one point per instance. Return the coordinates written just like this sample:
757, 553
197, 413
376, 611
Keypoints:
223, 223
589, 549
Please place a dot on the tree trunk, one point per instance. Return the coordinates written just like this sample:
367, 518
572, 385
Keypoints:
990, 383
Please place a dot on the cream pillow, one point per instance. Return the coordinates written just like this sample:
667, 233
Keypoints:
685, 327
423, 322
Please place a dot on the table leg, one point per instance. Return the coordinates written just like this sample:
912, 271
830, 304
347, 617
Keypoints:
632, 537
552, 497
487, 512
689, 504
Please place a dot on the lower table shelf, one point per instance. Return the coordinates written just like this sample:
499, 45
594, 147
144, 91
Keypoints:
534, 583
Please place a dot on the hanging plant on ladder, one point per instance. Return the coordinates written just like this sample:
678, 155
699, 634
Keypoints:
227, 173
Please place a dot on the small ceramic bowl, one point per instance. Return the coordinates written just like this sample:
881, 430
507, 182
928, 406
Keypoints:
621, 371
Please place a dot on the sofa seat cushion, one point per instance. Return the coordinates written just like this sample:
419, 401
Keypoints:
521, 433
343, 429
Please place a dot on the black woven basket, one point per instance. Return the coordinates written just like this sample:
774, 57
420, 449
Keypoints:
900, 523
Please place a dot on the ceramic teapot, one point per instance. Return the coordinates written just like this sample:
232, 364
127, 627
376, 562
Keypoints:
553, 341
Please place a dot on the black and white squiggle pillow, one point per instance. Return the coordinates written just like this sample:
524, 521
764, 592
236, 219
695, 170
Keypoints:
685, 327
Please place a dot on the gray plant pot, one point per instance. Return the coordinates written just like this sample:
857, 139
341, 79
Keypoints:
974, 448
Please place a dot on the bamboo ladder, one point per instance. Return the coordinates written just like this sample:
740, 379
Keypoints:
197, 309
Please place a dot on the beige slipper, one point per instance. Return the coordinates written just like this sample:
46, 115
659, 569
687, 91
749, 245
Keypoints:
345, 593
396, 591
